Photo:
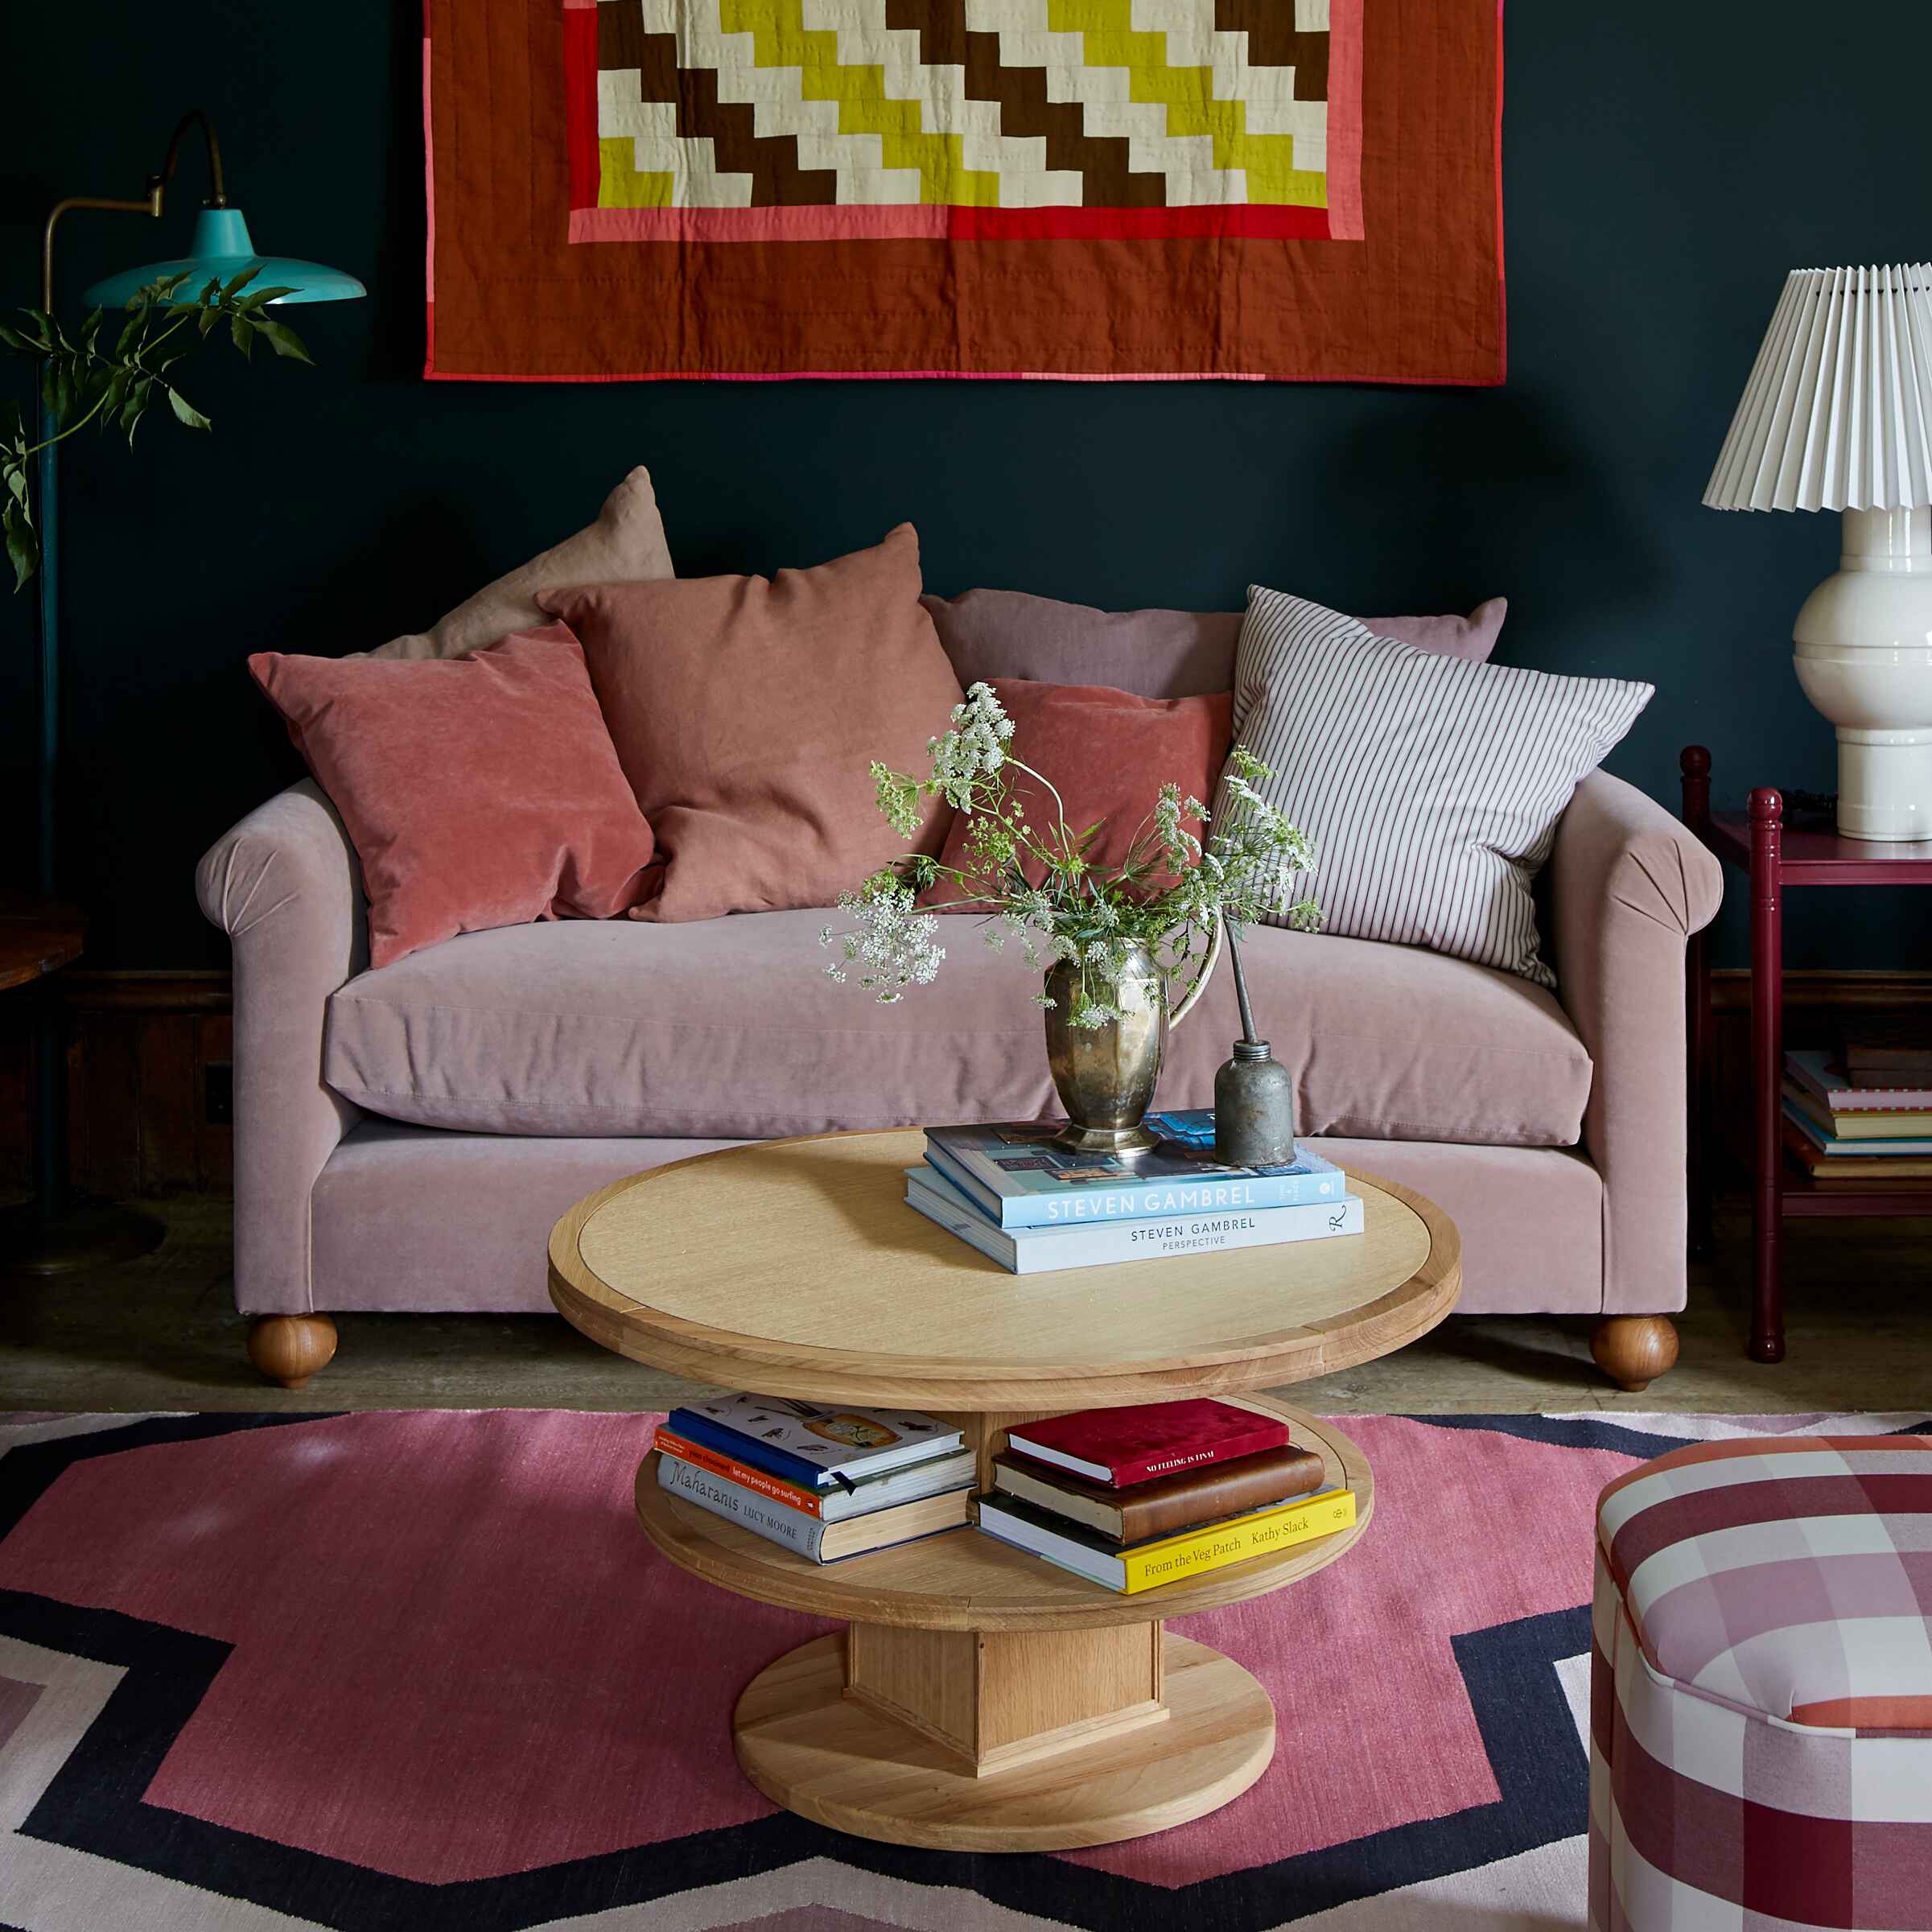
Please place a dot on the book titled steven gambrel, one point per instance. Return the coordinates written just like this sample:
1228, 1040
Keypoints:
1015, 1175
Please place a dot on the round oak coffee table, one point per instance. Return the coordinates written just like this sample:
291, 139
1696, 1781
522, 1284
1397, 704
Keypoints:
980, 1698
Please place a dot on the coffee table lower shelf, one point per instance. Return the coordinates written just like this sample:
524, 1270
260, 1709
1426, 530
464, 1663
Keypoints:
983, 1700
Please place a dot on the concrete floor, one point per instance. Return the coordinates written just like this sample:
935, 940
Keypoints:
162, 1333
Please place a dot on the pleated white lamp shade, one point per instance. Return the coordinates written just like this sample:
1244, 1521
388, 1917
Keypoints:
1838, 413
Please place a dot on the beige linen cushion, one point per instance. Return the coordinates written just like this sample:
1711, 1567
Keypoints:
625, 545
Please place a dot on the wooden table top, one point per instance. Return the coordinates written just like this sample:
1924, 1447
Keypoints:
37, 937
795, 1267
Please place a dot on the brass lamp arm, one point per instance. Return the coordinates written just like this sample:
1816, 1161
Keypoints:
150, 204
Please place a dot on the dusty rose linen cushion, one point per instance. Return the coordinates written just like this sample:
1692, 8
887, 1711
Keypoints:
625, 545
747, 712
990, 634
723, 1028
479, 791
1107, 753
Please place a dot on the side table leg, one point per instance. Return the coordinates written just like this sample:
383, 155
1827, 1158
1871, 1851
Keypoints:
1767, 1072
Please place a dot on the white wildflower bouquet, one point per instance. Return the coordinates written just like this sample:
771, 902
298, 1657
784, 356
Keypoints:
1170, 894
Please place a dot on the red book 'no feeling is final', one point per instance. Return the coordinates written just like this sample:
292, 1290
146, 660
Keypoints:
1126, 1446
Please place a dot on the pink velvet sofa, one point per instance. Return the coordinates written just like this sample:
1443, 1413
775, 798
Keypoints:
405, 1138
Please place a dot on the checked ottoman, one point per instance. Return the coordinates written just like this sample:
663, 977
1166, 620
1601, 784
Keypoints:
1760, 1706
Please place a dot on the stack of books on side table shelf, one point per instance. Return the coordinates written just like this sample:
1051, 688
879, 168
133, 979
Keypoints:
1134, 1498
1033, 1206
1870, 1130
828, 1483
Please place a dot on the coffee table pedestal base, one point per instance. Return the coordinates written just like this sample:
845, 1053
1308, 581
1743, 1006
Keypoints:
983, 1740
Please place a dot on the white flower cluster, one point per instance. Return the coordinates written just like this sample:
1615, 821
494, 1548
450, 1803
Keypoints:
894, 947
974, 750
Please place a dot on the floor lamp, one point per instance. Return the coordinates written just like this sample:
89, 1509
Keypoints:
66, 1236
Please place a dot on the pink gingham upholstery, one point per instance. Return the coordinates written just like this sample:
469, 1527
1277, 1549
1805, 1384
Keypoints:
1761, 1688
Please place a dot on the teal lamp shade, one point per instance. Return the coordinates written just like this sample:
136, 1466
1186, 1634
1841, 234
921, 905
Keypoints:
221, 248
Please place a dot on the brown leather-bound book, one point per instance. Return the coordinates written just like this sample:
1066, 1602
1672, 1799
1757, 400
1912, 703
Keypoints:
1169, 1504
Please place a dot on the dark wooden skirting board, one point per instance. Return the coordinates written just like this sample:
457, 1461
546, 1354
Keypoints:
142, 1045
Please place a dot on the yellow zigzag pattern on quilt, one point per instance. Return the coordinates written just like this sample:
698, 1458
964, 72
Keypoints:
781, 39
1110, 39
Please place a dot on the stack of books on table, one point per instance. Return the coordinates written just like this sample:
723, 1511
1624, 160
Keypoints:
828, 1483
1870, 1129
1134, 1498
1033, 1206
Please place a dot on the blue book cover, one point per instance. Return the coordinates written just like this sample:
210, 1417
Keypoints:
1014, 1175
1093, 1244
1916, 1144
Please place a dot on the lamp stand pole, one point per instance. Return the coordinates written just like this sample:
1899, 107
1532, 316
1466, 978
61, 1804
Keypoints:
50, 1114
62, 1236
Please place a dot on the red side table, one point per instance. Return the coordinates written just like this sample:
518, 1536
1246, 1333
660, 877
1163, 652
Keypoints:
1759, 843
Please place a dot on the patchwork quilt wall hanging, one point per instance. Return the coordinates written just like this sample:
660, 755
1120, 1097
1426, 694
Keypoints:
1272, 190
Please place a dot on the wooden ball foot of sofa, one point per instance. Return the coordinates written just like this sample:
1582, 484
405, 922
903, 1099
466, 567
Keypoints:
1633, 1351
290, 1348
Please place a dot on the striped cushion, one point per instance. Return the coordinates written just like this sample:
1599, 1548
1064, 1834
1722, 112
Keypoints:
1791, 1577
1431, 786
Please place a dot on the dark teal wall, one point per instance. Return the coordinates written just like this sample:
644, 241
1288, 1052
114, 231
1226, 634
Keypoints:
1664, 168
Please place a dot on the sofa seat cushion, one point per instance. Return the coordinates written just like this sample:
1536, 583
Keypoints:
729, 1028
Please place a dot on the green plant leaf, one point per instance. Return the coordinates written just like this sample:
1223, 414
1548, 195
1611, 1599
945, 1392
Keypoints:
131, 333
211, 313
116, 395
56, 390
260, 298
16, 484
137, 392
243, 332
237, 283
184, 410
281, 339
22, 545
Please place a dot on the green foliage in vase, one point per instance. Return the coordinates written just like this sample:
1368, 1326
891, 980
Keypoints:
1169, 894
109, 377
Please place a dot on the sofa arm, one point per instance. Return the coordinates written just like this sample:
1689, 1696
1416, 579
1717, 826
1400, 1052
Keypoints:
286, 887
1629, 885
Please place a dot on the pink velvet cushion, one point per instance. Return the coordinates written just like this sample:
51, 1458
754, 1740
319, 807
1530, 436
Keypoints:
747, 712
478, 791
1107, 753
990, 634
722, 1027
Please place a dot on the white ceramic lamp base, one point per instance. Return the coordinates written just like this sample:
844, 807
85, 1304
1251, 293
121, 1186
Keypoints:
1864, 658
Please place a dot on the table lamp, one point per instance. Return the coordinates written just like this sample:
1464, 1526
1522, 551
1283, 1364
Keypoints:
1838, 416
66, 1237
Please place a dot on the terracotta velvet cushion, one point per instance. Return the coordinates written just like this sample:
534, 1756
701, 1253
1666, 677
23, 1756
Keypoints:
747, 712
478, 791
1107, 753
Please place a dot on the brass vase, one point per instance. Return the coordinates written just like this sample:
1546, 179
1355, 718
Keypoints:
1105, 1075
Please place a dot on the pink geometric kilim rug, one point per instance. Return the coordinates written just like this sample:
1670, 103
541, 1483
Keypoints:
419, 1672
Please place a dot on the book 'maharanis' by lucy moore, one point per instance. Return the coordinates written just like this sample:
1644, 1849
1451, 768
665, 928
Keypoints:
1120, 1447
1015, 1175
